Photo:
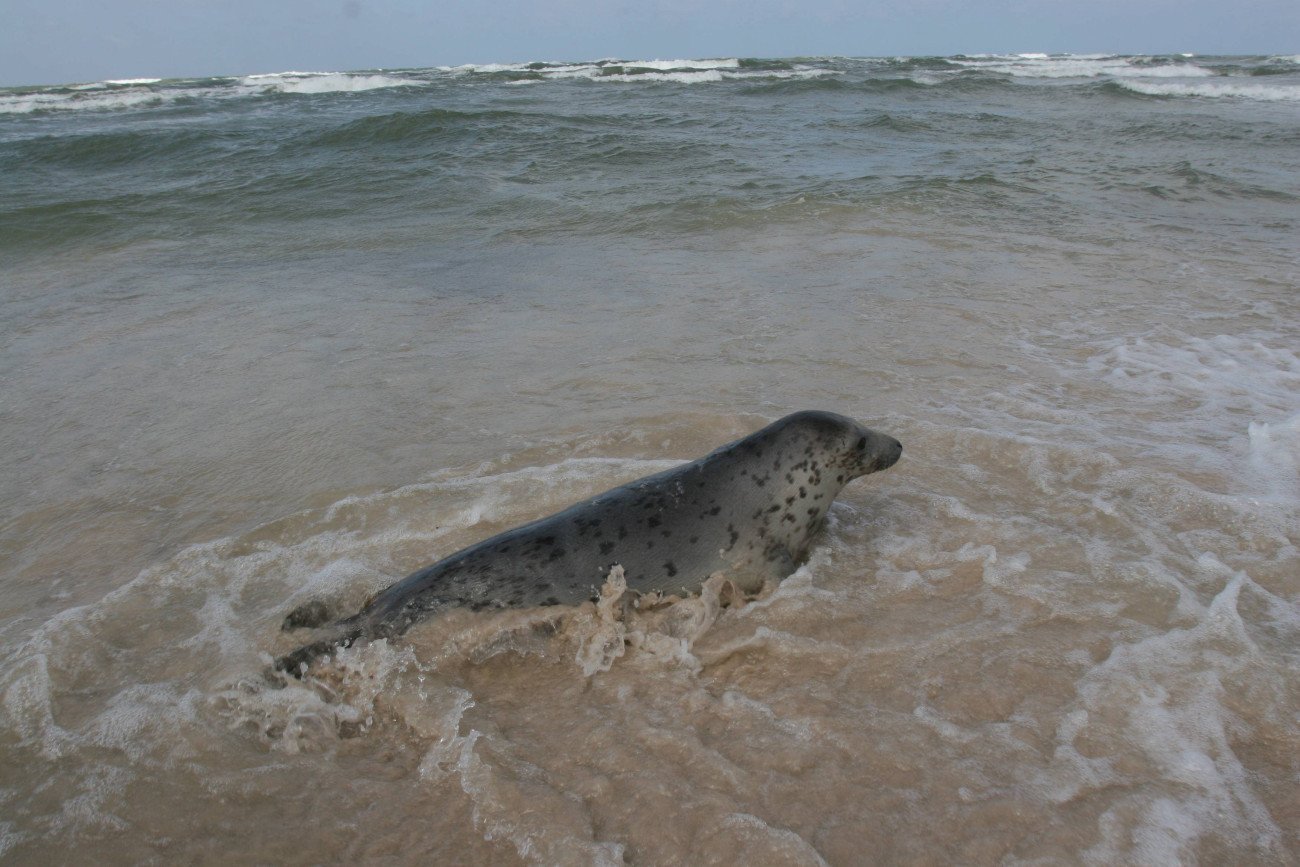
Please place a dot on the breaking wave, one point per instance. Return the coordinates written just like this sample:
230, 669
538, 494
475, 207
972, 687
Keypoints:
1216, 90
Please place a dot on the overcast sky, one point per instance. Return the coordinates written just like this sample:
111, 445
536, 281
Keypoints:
56, 41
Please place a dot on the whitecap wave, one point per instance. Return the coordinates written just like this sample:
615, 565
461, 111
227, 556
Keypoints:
560, 69
1081, 66
321, 82
292, 73
728, 63
698, 77
612, 70
1216, 90
125, 93
723, 75
90, 99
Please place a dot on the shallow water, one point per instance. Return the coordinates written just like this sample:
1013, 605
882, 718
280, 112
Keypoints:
272, 339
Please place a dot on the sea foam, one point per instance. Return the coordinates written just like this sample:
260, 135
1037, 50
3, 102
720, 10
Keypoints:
612, 70
1082, 66
127, 93
322, 82
86, 100
1216, 90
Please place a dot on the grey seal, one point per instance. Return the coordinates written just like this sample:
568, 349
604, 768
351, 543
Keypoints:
749, 509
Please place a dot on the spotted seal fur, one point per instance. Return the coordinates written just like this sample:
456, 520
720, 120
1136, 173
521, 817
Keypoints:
749, 509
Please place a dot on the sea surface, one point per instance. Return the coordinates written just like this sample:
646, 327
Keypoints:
278, 337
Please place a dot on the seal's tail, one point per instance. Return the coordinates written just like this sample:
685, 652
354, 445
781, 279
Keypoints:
296, 663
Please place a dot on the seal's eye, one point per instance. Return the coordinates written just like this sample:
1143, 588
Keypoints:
862, 444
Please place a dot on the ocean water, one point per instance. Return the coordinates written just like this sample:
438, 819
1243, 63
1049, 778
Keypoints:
270, 338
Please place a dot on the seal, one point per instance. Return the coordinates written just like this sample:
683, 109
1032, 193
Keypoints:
750, 510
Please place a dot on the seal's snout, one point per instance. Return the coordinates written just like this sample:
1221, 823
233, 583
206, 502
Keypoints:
889, 454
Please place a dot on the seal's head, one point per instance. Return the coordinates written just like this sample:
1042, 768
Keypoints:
859, 450
874, 451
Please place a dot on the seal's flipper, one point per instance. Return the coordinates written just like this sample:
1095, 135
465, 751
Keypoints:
296, 663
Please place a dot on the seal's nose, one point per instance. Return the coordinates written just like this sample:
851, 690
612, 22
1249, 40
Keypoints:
890, 454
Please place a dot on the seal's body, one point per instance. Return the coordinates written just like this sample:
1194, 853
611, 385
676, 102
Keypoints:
749, 510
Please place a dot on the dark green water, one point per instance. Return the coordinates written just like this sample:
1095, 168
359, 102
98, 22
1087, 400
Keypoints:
281, 164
